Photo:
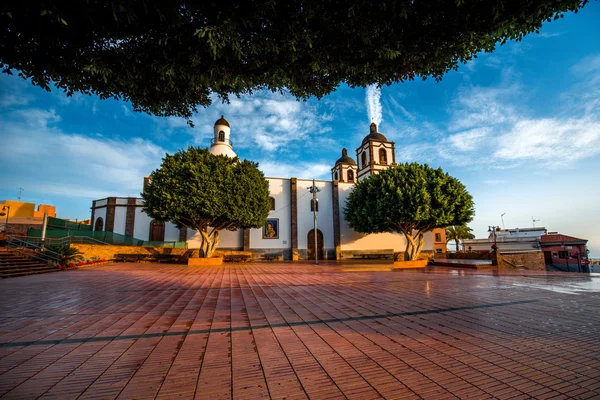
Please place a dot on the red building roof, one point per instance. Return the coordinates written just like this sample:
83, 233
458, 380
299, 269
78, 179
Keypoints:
555, 238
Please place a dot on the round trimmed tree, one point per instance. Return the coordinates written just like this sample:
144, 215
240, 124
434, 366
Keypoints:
207, 193
410, 199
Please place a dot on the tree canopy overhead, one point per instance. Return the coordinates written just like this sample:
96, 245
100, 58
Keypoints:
168, 57
207, 193
410, 199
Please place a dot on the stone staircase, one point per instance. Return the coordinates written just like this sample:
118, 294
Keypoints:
13, 263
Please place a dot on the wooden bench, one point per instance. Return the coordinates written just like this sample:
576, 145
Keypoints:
374, 256
236, 258
272, 256
164, 258
130, 257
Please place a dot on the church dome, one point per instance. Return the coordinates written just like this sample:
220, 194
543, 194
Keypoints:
222, 121
374, 135
344, 159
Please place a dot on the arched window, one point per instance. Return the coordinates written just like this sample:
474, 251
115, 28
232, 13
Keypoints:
363, 160
335, 176
382, 156
272, 203
99, 225
221, 136
350, 175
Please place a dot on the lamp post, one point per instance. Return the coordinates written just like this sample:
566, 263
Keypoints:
5, 211
493, 229
314, 190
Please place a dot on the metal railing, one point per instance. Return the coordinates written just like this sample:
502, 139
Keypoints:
227, 141
32, 250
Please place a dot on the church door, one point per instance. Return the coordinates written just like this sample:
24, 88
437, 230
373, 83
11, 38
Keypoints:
99, 225
311, 245
157, 231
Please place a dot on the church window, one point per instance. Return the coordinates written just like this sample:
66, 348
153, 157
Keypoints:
364, 160
335, 176
221, 136
312, 206
350, 176
272, 203
438, 237
382, 156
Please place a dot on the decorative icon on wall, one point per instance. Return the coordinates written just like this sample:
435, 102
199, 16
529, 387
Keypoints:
271, 229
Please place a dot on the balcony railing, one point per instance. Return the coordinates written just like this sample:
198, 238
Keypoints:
226, 141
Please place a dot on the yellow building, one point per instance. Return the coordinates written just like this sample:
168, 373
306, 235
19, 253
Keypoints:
20, 212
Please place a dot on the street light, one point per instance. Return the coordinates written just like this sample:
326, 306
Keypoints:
314, 190
493, 230
5, 211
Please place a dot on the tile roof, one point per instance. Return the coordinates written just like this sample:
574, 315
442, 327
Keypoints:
553, 238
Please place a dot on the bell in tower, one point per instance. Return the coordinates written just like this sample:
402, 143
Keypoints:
375, 153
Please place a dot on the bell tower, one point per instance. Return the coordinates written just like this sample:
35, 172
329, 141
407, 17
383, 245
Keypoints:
221, 144
345, 169
375, 153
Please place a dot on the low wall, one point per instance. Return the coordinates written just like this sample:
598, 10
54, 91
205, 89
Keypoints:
469, 256
108, 252
20, 229
530, 261
346, 254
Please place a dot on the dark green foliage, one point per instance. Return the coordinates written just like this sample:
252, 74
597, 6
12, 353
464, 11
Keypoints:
168, 57
458, 233
67, 253
198, 190
411, 199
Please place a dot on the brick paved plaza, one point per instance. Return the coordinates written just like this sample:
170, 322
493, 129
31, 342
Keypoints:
259, 331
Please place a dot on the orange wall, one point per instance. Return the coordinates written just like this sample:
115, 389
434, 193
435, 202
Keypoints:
27, 210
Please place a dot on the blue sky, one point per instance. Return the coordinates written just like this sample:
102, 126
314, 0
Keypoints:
520, 127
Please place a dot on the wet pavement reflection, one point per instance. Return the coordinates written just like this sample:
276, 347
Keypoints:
298, 331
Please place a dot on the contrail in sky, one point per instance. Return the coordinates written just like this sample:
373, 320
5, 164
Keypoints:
373, 103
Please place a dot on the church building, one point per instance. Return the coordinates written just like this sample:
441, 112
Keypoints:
289, 228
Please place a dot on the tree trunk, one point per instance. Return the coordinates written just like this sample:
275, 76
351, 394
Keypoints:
209, 243
456, 241
414, 245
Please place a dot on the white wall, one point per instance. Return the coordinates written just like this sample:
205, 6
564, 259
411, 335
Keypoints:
120, 217
280, 190
171, 232
141, 229
324, 216
352, 240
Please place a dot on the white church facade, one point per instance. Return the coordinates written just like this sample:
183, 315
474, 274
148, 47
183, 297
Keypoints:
289, 228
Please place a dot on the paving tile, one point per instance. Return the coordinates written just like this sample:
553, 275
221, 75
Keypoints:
296, 331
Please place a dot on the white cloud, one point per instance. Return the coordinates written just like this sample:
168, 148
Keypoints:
469, 140
550, 35
477, 106
373, 96
265, 121
72, 165
550, 140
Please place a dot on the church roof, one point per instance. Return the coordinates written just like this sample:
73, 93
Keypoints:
222, 121
345, 159
374, 135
